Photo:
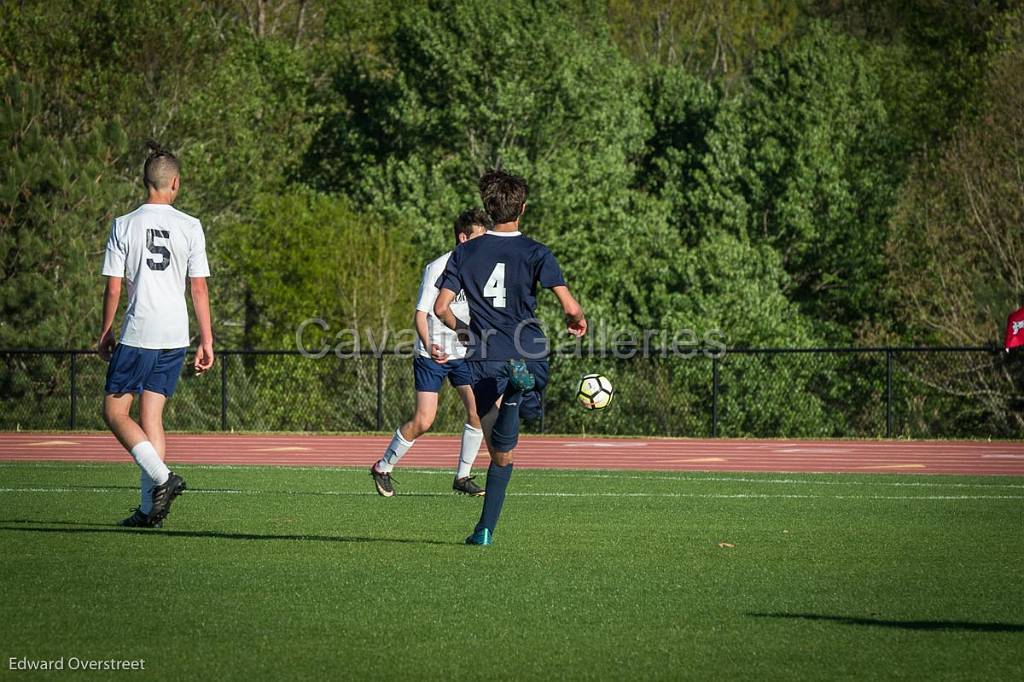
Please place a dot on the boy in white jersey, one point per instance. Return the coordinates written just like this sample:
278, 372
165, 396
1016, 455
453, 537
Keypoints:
154, 248
439, 354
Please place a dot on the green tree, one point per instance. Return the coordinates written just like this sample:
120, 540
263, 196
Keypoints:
956, 248
709, 38
58, 196
461, 95
931, 58
231, 105
307, 256
798, 163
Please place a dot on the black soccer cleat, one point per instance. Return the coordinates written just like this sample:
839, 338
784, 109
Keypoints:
163, 497
383, 481
138, 519
466, 486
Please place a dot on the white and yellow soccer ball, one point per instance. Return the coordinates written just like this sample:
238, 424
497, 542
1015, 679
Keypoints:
594, 392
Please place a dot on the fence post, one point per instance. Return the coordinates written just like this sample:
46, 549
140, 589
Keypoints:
888, 393
714, 396
224, 392
74, 390
380, 391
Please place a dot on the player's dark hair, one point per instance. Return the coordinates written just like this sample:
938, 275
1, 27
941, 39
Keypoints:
470, 218
503, 195
160, 168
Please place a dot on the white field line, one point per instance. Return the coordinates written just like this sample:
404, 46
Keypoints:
714, 496
577, 473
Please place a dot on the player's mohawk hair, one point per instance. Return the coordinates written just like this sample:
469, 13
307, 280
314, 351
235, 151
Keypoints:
503, 195
161, 167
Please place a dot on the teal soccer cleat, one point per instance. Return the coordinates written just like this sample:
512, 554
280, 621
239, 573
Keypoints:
520, 379
480, 537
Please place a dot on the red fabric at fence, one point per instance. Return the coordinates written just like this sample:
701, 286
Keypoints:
1014, 329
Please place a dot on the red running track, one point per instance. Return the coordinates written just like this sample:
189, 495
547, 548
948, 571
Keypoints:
918, 457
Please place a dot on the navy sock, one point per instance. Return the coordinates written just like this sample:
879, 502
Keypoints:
505, 434
497, 482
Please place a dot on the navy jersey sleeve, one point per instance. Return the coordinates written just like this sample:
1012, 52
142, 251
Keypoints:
449, 279
549, 274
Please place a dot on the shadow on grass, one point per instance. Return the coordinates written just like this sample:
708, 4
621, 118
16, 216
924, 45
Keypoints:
965, 625
217, 535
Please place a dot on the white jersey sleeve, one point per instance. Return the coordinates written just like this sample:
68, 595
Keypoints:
440, 334
116, 253
428, 289
198, 266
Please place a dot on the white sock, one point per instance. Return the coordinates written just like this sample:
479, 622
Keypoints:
146, 456
145, 492
471, 440
396, 449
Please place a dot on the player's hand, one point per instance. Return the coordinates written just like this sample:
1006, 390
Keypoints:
438, 354
578, 328
106, 345
204, 357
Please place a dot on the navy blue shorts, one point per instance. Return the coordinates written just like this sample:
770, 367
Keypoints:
429, 375
489, 382
134, 370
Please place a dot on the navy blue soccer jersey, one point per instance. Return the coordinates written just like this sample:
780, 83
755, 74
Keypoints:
500, 273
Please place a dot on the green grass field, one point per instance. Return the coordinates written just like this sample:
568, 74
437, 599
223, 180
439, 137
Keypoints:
273, 573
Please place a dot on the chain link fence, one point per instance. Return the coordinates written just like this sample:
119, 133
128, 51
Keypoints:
781, 392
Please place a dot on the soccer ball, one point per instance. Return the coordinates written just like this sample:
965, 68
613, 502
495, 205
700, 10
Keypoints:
595, 392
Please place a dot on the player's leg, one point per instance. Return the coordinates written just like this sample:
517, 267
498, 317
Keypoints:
428, 377
501, 427
421, 421
403, 439
505, 433
472, 435
532, 406
116, 413
506, 381
116, 408
157, 387
151, 418
499, 472
487, 426
128, 370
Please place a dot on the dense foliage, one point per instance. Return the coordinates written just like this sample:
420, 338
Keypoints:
787, 172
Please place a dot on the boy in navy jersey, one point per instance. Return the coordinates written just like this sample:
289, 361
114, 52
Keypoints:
438, 355
507, 351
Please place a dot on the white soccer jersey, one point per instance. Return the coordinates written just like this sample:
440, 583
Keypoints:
440, 334
154, 248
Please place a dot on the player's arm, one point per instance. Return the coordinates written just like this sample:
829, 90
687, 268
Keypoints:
421, 320
443, 308
550, 277
111, 297
575, 322
448, 285
422, 328
422, 323
201, 303
113, 269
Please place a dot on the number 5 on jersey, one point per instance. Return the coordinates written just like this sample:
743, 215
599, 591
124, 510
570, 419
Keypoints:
158, 249
495, 287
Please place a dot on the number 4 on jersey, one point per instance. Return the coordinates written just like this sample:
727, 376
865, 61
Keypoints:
495, 287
